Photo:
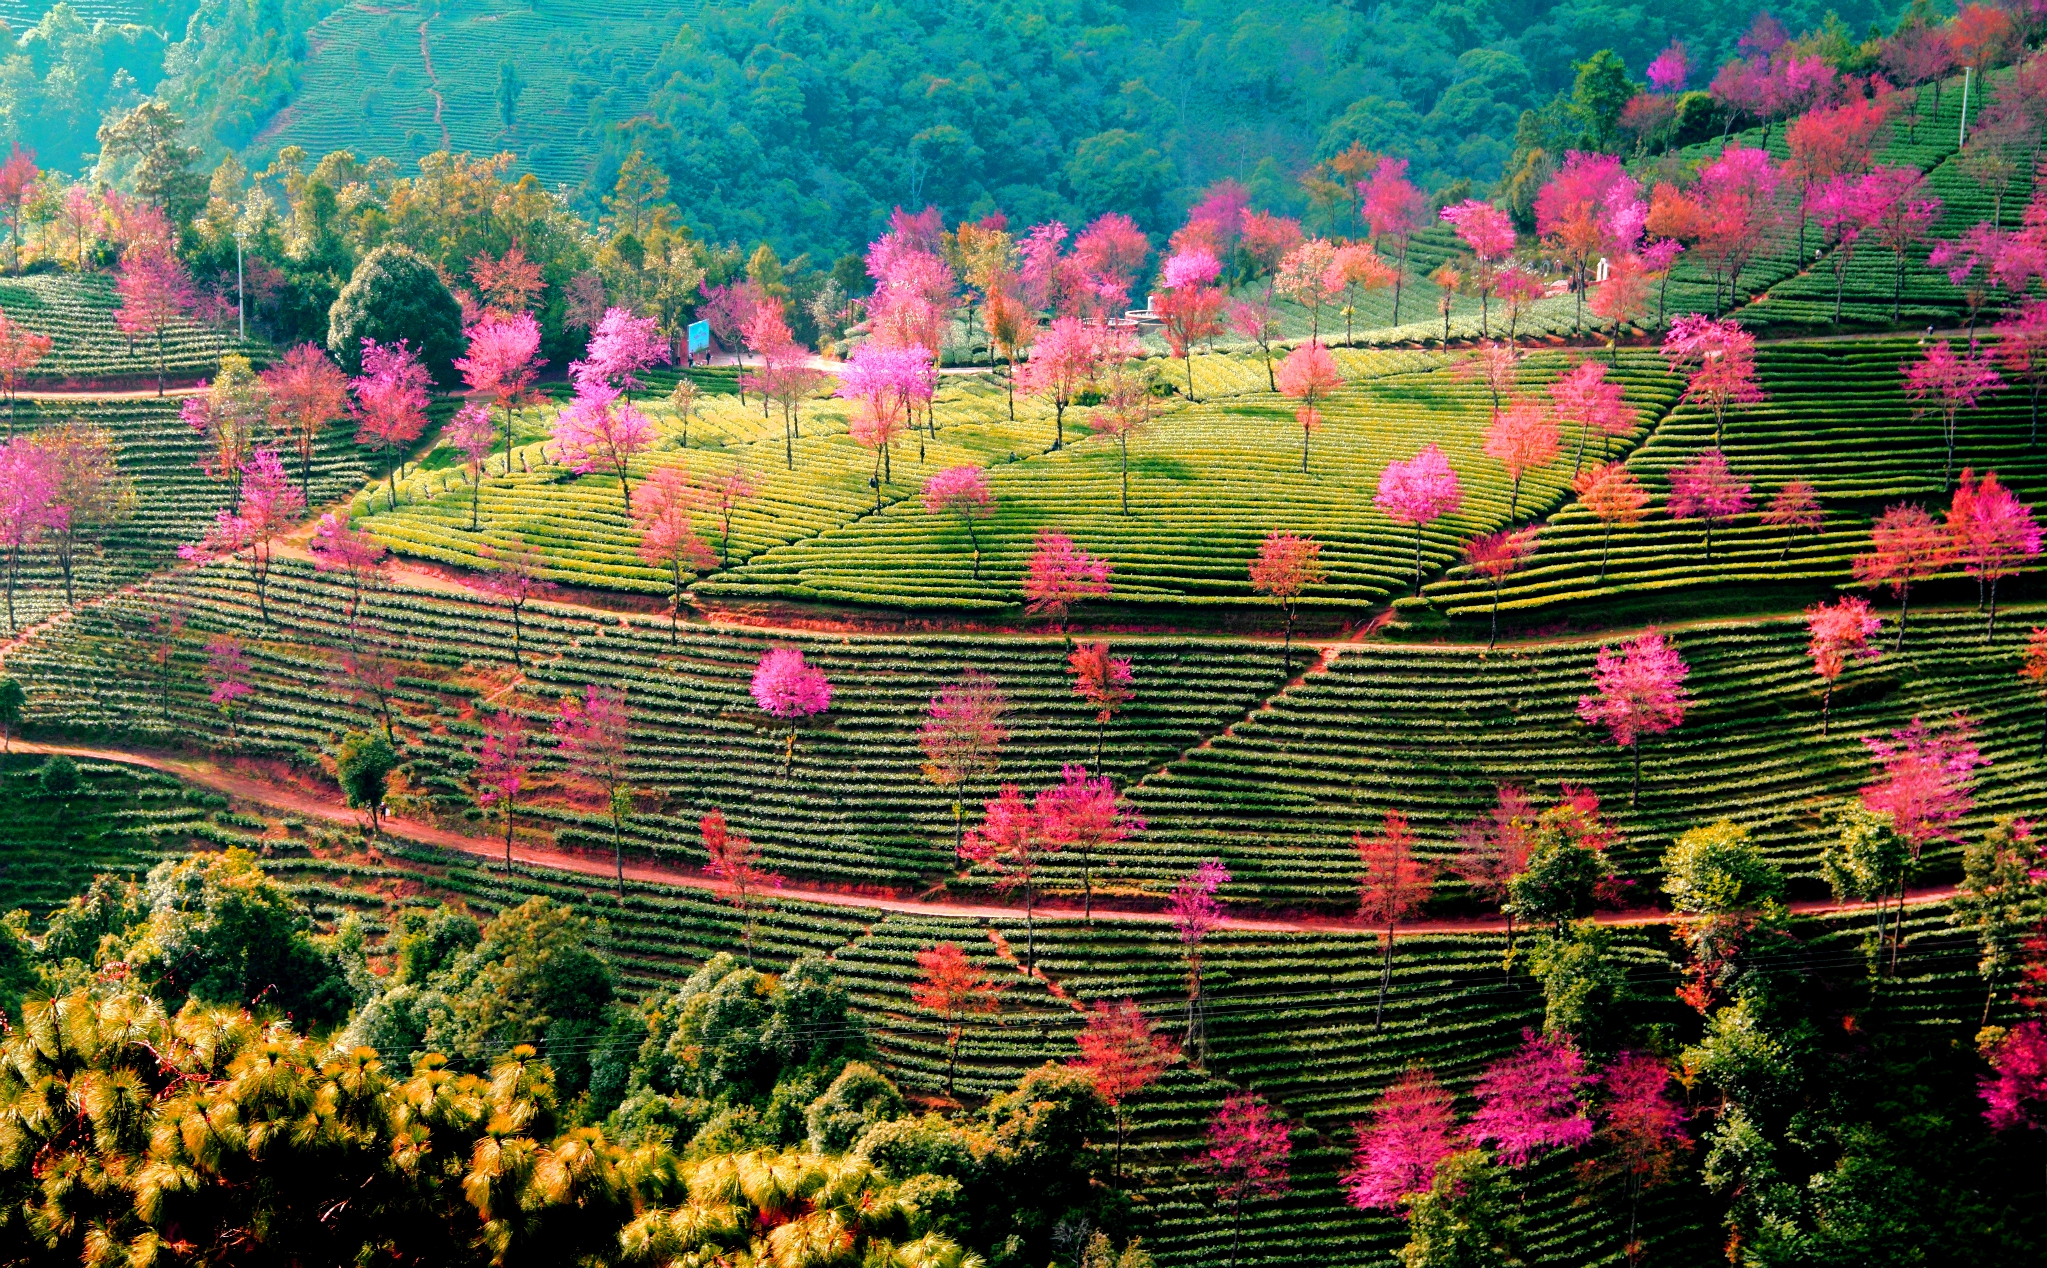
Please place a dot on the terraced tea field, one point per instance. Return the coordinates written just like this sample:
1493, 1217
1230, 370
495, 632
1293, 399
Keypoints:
1837, 417
77, 312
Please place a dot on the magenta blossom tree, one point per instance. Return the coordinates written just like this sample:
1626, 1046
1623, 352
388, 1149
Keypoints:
270, 505
1413, 1128
1705, 490
28, 505
391, 397
601, 431
227, 677
620, 347
1637, 691
1247, 1155
1718, 359
502, 769
2015, 1094
1489, 233
502, 360
1585, 396
593, 732
788, 688
1533, 1101
471, 434
1946, 382
1083, 812
1196, 914
1419, 491
1061, 574
961, 492
1993, 534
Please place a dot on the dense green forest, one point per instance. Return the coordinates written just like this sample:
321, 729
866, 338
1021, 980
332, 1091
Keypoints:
801, 124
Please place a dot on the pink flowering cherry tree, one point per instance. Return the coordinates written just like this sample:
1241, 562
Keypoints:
1533, 1101
1489, 234
1197, 913
391, 397
1084, 812
1061, 574
1412, 1129
1585, 396
601, 431
503, 769
1012, 843
1309, 374
1705, 490
471, 434
1839, 634
1994, 534
787, 687
593, 733
668, 536
1419, 491
1247, 1156
1285, 566
961, 492
1945, 382
1637, 691
270, 505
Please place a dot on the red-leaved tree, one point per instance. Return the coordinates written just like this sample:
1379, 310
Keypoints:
1493, 850
1641, 1132
1395, 884
1308, 374
787, 687
1906, 547
733, 858
953, 989
1121, 1054
1286, 565
1993, 534
1013, 843
1104, 681
1840, 633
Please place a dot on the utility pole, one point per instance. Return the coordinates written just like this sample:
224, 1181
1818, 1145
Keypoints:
241, 320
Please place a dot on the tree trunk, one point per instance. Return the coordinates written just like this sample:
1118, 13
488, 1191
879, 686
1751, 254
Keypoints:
1605, 548
1826, 707
1904, 610
1124, 442
1635, 791
1059, 421
1030, 927
1385, 978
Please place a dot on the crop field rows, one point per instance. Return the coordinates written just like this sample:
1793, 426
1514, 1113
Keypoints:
1279, 797
856, 808
1783, 289
1206, 485
77, 312
1837, 417
175, 498
367, 87
119, 820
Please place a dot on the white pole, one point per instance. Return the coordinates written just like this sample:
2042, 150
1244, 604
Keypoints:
1962, 137
241, 322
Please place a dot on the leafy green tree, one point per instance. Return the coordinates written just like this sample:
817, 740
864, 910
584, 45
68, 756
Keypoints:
395, 293
856, 1100
147, 144
533, 977
1719, 877
1567, 867
2002, 899
364, 761
1863, 860
1599, 91
1581, 983
220, 931
58, 777
12, 698
1464, 1220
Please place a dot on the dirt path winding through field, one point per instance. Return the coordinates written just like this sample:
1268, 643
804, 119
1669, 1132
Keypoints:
275, 796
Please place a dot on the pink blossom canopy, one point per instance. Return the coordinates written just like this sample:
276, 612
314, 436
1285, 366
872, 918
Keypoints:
786, 687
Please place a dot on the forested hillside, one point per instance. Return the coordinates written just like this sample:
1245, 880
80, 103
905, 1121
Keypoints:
801, 124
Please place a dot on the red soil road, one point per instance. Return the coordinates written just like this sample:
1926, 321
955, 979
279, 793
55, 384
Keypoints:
276, 796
